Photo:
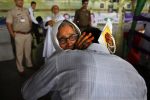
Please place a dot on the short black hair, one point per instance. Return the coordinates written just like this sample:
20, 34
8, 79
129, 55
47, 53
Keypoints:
95, 32
33, 2
39, 19
85, 1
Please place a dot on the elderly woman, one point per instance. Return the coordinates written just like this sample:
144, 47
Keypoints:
65, 35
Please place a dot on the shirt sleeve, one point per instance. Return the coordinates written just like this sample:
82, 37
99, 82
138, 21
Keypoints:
76, 17
89, 18
9, 17
32, 16
41, 82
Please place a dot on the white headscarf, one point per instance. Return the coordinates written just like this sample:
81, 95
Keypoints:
55, 31
55, 47
48, 45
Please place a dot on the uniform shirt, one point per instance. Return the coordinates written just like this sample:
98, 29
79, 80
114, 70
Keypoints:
32, 15
93, 74
82, 18
20, 19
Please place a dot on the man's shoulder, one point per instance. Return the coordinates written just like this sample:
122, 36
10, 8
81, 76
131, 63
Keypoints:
30, 9
78, 10
74, 54
72, 59
88, 10
26, 9
12, 9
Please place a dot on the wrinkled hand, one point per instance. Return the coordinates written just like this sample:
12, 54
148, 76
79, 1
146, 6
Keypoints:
51, 22
84, 41
110, 43
13, 35
108, 39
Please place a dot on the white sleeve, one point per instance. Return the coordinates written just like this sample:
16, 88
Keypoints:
48, 49
61, 17
32, 16
41, 82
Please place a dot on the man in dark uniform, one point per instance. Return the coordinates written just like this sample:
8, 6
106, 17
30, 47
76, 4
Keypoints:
83, 16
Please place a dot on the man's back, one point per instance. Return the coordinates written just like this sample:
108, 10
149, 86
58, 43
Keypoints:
86, 75
91, 74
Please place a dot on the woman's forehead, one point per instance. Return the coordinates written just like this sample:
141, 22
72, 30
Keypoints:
65, 30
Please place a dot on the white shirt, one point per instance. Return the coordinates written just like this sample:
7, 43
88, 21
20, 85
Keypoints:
91, 74
32, 16
57, 17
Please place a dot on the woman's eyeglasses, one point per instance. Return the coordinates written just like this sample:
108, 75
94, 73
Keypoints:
72, 37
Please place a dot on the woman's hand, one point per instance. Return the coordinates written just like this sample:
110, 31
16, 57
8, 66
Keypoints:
84, 41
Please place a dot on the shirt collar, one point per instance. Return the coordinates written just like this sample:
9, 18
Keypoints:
18, 8
31, 8
98, 47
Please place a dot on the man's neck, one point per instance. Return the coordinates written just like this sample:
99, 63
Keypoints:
83, 8
20, 7
32, 8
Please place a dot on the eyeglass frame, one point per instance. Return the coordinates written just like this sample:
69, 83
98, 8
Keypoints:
72, 37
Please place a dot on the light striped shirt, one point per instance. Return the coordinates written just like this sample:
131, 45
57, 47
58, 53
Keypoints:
91, 74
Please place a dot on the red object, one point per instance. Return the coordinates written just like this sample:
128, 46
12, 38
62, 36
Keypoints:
134, 55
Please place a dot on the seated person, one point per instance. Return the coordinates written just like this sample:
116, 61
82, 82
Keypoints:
91, 74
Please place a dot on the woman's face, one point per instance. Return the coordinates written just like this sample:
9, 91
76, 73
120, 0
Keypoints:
67, 37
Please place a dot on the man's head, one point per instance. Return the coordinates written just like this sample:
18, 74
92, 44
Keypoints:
19, 3
55, 9
33, 4
39, 19
85, 4
95, 33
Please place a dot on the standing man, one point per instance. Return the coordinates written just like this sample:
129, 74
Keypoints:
34, 22
56, 16
83, 16
19, 26
31, 11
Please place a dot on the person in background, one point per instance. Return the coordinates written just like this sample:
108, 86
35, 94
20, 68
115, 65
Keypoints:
143, 64
56, 16
31, 11
19, 25
83, 74
145, 42
49, 22
83, 16
41, 29
34, 21
48, 46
